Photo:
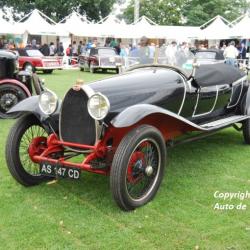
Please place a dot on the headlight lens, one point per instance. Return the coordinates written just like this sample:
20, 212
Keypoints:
98, 106
48, 101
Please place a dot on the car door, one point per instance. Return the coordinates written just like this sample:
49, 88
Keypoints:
209, 99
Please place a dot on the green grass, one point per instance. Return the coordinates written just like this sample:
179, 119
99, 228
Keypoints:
82, 214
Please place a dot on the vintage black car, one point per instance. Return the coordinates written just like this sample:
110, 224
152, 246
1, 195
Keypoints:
100, 58
15, 86
122, 125
210, 56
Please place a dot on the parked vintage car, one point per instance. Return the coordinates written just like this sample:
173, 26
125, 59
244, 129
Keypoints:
121, 125
100, 58
33, 60
15, 86
210, 56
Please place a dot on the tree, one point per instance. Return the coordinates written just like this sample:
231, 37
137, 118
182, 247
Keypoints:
198, 12
165, 12
58, 9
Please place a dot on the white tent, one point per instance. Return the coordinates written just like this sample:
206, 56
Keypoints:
37, 23
73, 23
215, 29
241, 27
8, 28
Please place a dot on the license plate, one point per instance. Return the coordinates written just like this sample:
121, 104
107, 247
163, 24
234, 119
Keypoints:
55, 170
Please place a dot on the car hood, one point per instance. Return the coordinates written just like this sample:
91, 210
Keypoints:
148, 86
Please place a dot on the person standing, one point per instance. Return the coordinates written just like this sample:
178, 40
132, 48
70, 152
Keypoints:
51, 49
74, 49
60, 49
231, 53
242, 51
69, 53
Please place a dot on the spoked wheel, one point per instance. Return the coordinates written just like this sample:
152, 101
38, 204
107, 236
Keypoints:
10, 95
138, 167
26, 138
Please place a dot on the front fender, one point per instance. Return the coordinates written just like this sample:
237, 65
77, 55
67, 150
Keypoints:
31, 105
134, 114
17, 83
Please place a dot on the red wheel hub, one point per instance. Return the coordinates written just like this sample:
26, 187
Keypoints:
37, 147
136, 159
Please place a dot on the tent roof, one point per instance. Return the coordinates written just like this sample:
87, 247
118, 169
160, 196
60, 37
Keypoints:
144, 21
216, 28
110, 20
241, 27
74, 18
8, 28
37, 23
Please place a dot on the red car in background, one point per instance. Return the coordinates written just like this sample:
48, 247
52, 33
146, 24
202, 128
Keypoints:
34, 60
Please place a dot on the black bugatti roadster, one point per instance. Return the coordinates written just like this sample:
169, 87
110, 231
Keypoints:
123, 125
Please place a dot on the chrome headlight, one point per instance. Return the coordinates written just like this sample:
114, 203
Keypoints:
48, 102
98, 106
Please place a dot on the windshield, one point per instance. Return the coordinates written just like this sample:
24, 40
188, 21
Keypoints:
106, 52
171, 55
34, 53
205, 55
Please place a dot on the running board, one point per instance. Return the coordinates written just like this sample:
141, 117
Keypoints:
224, 122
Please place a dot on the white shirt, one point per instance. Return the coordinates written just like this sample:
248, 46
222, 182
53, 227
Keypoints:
231, 52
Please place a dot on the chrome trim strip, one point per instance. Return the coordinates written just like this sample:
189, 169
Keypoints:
184, 96
231, 106
216, 98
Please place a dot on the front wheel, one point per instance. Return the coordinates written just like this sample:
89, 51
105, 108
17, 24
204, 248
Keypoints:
26, 131
10, 95
138, 167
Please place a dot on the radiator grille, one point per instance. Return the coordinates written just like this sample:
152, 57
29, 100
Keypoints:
76, 125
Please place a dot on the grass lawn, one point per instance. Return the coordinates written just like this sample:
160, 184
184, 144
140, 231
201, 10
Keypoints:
82, 214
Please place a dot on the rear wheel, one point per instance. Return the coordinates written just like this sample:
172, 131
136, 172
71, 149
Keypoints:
138, 167
246, 130
26, 132
10, 95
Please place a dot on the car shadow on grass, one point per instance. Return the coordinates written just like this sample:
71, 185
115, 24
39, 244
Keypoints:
194, 161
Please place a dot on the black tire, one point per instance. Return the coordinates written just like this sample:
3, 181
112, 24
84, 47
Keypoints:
81, 69
127, 149
15, 158
28, 67
117, 71
48, 71
246, 130
10, 95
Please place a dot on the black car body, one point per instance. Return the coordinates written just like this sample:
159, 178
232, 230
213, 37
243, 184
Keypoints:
123, 124
100, 58
14, 86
